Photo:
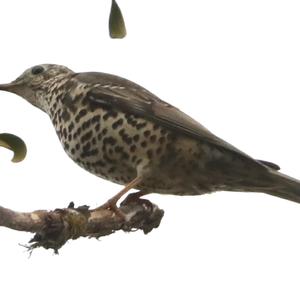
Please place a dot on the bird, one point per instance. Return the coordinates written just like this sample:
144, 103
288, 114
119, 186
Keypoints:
121, 132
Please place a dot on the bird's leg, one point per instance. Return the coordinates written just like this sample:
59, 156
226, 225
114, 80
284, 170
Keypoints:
111, 204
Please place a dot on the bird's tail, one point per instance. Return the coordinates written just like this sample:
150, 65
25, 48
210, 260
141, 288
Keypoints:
283, 186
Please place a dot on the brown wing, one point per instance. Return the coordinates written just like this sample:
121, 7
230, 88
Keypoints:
111, 90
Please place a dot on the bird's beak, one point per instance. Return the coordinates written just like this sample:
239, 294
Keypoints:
9, 87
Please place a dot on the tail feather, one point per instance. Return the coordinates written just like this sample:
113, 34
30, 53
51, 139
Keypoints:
284, 186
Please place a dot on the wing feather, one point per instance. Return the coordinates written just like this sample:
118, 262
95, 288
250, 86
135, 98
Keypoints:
129, 97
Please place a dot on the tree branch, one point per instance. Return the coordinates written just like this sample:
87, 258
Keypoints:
54, 228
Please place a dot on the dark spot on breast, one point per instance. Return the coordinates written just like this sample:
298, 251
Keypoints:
153, 138
89, 153
73, 151
71, 126
96, 119
144, 144
92, 152
117, 124
70, 137
133, 123
127, 140
158, 150
122, 132
67, 146
136, 137
86, 147
110, 114
155, 126
77, 146
65, 133
78, 131
80, 115
110, 140
141, 125
125, 137
97, 127
132, 148
162, 139
94, 141
147, 133
104, 131
86, 137
133, 159
86, 124
163, 131
65, 115
131, 120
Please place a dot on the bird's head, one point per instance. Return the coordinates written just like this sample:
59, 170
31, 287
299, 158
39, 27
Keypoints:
35, 82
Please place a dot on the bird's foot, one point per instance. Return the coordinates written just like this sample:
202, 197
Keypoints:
136, 197
111, 204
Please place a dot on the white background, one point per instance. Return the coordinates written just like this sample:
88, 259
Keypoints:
232, 65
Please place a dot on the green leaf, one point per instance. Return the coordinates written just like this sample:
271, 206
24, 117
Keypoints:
117, 29
14, 143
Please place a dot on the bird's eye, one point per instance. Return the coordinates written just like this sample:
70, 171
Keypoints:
37, 70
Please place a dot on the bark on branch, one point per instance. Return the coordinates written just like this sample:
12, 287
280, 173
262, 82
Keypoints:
54, 228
